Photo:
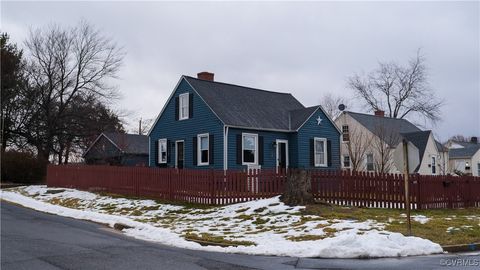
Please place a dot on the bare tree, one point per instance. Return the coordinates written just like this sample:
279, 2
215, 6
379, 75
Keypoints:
65, 66
358, 144
143, 127
330, 104
460, 138
383, 146
399, 90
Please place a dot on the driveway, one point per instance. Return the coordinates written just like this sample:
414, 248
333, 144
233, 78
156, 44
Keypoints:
35, 240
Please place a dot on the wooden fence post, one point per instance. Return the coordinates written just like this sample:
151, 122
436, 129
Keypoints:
406, 173
169, 181
419, 193
212, 183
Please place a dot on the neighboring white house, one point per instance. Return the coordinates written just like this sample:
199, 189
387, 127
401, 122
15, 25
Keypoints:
464, 157
374, 143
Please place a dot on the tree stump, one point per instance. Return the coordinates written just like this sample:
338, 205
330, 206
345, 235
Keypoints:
298, 189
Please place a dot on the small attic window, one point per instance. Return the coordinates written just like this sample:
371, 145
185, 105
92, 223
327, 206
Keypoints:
345, 133
183, 106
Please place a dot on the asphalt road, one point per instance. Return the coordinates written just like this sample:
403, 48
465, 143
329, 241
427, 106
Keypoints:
35, 240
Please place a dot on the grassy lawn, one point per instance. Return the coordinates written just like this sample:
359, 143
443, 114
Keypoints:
446, 226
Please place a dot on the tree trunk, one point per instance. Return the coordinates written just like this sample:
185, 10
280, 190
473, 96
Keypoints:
298, 189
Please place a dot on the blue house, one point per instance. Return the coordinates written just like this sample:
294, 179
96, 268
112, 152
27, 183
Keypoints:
215, 125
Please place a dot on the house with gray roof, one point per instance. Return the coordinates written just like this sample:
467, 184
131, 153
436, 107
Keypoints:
374, 142
118, 149
465, 157
206, 124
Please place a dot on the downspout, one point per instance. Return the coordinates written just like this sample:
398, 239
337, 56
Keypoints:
149, 154
225, 148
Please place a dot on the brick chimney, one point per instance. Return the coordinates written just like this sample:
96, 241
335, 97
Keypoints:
207, 76
379, 113
474, 140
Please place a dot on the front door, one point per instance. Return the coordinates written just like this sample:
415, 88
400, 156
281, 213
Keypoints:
180, 154
282, 154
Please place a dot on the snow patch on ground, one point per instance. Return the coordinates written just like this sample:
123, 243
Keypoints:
420, 219
268, 223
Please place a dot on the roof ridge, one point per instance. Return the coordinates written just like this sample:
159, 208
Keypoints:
372, 115
237, 85
420, 131
310, 107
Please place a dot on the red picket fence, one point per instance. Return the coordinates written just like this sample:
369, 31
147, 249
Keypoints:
232, 186
195, 186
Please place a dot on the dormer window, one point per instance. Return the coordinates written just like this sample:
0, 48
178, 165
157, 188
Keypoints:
183, 106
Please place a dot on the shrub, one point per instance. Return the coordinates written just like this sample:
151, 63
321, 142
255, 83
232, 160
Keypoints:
22, 167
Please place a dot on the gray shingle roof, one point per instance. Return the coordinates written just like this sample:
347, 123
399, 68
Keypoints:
468, 151
420, 140
372, 122
129, 143
298, 117
441, 147
249, 107
378, 125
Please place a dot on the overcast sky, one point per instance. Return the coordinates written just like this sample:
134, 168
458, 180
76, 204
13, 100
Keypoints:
307, 49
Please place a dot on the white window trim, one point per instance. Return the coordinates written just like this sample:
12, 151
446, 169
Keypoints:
348, 128
199, 149
256, 149
176, 153
433, 165
160, 141
278, 151
349, 161
366, 162
180, 105
325, 156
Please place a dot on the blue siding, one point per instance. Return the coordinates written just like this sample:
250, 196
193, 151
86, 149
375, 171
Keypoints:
203, 121
269, 137
310, 130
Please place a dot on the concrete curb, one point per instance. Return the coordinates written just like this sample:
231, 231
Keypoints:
462, 248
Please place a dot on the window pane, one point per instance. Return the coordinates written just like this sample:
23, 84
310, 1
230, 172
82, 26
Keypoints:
319, 146
183, 106
346, 161
248, 156
370, 166
204, 143
162, 150
249, 142
204, 156
319, 159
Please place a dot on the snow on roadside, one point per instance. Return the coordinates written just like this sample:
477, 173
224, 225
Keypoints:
268, 223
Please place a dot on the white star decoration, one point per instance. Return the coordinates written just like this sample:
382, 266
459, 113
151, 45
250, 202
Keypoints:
319, 120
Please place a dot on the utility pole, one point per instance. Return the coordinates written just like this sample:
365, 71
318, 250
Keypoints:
406, 172
140, 127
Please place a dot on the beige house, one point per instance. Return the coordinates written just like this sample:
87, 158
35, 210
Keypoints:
464, 157
375, 143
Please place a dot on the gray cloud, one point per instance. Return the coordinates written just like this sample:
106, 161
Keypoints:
304, 48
